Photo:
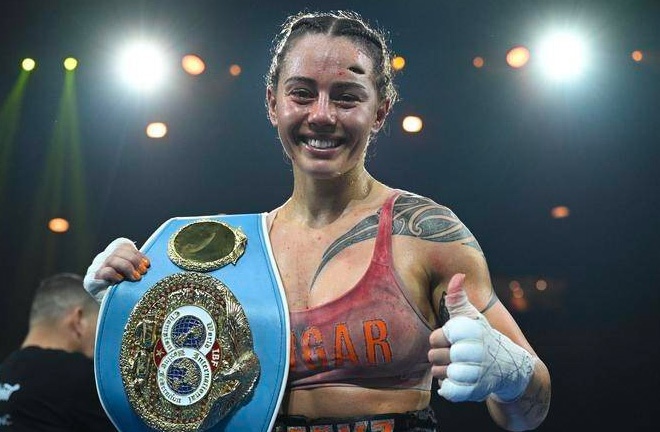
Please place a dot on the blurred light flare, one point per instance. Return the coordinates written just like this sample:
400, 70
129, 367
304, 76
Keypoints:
28, 64
398, 63
193, 64
478, 62
637, 56
70, 63
143, 65
541, 285
517, 56
412, 124
156, 130
58, 225
520, 304
562, 55
234, 70
560, 212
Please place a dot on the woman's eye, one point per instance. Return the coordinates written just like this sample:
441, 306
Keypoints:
347, 100
347, 97
301, 93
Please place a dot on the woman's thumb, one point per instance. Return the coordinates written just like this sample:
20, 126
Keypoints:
456, 301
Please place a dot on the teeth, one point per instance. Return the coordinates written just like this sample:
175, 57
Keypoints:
321, 144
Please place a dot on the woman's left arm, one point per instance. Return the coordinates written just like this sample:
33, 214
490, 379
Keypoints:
481, 353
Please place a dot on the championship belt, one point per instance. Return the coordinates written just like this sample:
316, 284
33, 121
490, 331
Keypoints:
201, 342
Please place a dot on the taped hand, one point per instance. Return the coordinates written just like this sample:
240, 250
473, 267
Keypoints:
471, 359
120, 260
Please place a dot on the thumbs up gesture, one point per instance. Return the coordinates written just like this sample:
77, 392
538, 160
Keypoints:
471, 359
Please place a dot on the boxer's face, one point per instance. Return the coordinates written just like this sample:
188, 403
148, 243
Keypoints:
326, 105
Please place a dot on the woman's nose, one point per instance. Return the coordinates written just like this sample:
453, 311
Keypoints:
323, 112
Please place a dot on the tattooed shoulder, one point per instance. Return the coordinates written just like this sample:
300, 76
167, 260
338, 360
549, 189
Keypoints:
413, 215
421, 217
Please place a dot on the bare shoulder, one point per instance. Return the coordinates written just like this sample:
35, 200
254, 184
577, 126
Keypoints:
419, 216
446, 247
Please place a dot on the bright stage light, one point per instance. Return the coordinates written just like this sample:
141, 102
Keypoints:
412, 124
70, 63
398, 63
143, 66
156, 130
58, 225
192, 64
28, 64
234, 70
517, 57
562, 56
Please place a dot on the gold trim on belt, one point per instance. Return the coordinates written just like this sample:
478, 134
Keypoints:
205, 246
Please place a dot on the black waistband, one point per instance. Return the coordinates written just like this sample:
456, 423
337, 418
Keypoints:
417, 421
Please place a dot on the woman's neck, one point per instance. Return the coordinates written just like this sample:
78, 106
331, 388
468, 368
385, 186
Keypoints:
317, 202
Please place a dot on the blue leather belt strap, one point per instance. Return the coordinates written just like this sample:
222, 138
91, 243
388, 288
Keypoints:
255, 283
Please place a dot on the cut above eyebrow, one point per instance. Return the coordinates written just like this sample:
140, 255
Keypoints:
357, 69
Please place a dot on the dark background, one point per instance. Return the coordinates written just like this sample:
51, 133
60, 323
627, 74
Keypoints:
500, 146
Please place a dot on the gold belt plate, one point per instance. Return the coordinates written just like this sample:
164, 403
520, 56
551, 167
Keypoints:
187, 357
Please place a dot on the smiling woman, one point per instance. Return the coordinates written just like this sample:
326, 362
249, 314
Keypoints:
327, 106
386, 289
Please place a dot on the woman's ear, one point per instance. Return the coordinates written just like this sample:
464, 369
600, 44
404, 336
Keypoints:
271, 100
381, 115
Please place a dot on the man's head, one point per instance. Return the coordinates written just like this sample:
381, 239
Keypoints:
63, 315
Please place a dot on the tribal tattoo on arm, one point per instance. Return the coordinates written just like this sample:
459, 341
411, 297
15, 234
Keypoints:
414, 216
420, 217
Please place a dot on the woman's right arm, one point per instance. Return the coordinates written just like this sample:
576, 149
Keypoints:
120, 260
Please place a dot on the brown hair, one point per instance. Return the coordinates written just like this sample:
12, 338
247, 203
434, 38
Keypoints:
340, 23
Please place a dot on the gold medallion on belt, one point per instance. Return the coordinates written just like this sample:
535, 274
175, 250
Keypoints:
187, 354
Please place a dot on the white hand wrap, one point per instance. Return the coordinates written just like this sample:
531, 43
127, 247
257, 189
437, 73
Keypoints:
483, 362
98, 287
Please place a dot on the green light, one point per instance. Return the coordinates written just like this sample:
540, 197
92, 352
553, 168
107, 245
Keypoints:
60, 192
28, 64
70, 63
10, 115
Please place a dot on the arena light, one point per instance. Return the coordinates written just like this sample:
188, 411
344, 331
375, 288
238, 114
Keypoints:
193, 64
58, 225
10, 119
70, 63
560, 212
412, 124
156, 130
562, 56
28, 64
398, 63
517, 56
235, 70
143, 66
541, 285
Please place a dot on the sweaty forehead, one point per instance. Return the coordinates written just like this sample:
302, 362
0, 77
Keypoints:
313, 54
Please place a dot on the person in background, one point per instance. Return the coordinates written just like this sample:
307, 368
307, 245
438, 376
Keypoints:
48, 384
386, 289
